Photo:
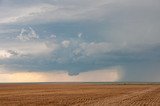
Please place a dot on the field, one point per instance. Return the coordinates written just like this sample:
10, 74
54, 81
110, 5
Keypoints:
79, 94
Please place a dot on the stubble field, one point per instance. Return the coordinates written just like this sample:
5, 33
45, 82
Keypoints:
79, 94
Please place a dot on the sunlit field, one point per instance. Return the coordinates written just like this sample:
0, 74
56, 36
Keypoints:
79, 94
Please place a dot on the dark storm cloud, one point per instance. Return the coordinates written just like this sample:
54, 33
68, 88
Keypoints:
79, 36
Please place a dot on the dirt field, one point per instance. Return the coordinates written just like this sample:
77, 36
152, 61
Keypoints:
76, 94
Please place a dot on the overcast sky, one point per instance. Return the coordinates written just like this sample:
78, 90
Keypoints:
79, 40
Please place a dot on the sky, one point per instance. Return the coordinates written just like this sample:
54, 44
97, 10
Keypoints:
79, 40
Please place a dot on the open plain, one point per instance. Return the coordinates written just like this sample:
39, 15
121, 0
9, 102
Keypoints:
79, 94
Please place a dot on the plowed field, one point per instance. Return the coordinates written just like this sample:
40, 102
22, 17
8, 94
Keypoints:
79, 94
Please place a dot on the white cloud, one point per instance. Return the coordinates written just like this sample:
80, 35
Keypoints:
60, 11
20, 14
4, 54
26, 43
65, 43
27, 34
34, 48
53, 36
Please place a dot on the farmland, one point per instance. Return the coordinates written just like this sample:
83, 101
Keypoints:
79, 94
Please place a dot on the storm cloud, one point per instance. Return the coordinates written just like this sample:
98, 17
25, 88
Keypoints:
79, 38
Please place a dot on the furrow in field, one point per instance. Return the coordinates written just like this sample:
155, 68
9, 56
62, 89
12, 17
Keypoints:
148, 96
